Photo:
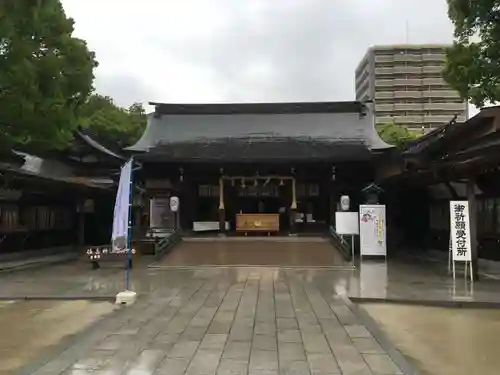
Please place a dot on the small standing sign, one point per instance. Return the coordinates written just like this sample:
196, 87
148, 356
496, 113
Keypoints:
174, 204
347, 223
460, 235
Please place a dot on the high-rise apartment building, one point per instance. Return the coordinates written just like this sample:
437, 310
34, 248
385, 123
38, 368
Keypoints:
406, 86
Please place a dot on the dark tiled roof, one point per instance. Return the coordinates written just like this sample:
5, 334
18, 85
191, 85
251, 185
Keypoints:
249, 131
248, 149
89, 140
53, 170
256, 108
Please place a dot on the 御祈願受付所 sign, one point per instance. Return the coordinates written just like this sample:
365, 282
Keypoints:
460, 231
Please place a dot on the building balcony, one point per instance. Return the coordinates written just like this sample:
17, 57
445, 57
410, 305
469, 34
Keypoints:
407, 70
404, 57
384, 107
362, 79
384, 119
408, 107
442, 119
408, 94
383, 59
384, 83
458, 107
384, 71
438, 57
440, 94
434, 82
365, 86
404, 120
401, 120
408, 82
432, 69
384, 95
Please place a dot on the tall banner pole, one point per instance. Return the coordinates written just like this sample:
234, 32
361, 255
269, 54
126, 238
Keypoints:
122, 228
129, 229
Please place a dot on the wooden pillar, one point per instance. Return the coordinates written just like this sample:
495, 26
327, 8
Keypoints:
471, 197
293, 207
80, 205
222, 211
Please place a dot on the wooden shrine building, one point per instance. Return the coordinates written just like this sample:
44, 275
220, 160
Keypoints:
255, 167
62, 200
458, 161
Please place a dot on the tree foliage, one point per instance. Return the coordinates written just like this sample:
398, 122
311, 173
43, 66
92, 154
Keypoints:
46, 74
473, 62
111, 123
396, 135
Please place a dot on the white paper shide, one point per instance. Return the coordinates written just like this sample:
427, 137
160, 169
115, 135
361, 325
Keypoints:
460, 231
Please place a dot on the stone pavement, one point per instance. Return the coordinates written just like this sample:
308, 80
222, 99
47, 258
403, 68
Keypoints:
397, 280
229, 322
238, 320
31, 262
261, 251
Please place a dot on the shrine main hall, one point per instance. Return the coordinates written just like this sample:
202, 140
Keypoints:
255, 167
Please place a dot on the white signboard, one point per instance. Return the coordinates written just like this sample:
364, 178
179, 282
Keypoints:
160, 214
372, 230
460, 231
174, 204
346, 223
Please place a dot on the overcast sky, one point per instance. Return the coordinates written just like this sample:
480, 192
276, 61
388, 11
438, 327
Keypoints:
241, 51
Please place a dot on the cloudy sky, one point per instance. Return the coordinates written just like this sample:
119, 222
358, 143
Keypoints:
240, 51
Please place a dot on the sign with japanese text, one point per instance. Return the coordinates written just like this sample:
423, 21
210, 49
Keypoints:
460, 231
372, 230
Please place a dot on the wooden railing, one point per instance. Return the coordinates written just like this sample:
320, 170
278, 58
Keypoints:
340, 244
167, 243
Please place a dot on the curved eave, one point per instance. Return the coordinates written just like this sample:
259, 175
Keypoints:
96, 145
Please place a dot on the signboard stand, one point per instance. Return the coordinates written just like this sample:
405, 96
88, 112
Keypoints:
372, 230
174, 207
346, 223
450, 255
465, 271
460, 241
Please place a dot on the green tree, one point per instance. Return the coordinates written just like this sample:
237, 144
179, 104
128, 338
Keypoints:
45, 74
472, 66
396, 135
111, 123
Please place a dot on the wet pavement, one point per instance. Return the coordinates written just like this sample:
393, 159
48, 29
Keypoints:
236, 320
272, 251
230, 321
30, 328
443, 341
400, 280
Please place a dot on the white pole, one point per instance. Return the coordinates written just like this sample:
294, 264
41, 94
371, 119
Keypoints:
352, 249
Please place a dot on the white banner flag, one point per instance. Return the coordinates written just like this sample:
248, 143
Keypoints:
121, 212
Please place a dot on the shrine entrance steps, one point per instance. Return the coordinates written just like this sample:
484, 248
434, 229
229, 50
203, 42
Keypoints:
296, 252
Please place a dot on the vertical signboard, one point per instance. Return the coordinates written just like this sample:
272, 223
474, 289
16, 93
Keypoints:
372, 230
160, 214
460, 231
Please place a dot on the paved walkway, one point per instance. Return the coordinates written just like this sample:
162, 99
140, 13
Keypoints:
237, 320
398, 281
228, 322
34, 261
244, 251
